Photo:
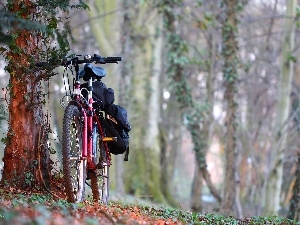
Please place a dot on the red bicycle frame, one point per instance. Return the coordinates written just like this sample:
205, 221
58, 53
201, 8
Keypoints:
89, 118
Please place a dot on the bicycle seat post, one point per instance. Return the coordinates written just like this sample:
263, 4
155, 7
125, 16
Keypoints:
75, 64
90, 92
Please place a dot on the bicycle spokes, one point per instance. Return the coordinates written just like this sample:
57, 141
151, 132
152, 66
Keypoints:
74, 166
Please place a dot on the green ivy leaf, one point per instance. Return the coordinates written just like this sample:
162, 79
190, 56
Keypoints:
292, 58
208, 16
52, 23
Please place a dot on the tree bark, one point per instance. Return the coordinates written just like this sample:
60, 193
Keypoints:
26, 159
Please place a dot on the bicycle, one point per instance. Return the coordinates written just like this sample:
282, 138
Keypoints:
84, 144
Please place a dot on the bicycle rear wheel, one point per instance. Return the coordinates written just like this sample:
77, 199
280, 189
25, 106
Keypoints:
74, 167
100, 176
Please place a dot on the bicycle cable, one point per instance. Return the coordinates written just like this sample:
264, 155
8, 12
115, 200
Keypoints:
66, 77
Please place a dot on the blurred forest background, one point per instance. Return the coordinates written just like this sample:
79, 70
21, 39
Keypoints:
178, 141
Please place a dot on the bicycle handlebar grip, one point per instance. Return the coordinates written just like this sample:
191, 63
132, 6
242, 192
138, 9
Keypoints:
113, 59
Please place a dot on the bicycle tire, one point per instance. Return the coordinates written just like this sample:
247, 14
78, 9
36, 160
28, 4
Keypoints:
74, 167
100, 177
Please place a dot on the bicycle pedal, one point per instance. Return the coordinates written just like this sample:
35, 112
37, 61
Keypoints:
108, 139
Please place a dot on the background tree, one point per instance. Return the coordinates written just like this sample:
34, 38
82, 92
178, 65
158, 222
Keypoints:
294, 210
230, 76
283, 111
127, 44
205, 53
193, 114
134, 92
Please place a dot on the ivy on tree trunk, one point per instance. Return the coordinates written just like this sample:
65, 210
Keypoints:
230, 77
26, 156
24, 152
176, 60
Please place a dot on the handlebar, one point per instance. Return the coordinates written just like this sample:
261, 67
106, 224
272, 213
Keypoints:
97, 59
90, 59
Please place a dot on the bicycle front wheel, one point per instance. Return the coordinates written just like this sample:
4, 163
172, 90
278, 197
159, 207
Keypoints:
74, 167
100, 176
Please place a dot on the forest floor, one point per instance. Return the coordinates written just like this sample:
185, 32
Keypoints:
23, 208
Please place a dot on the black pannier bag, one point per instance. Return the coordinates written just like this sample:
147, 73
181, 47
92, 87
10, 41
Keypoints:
117, 125
102, 95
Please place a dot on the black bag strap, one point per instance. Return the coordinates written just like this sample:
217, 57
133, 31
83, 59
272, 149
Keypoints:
126, 154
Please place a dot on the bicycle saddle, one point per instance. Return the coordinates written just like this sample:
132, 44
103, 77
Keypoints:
91, 71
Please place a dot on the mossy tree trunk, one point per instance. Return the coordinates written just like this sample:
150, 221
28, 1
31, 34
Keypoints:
157, 129
127, 66
175, 62
208, 119
26, 159
142, 177
152, 138
102, 23
230, 77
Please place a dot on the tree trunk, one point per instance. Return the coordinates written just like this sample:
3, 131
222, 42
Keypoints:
197, 186
176, 50
294, 210
140, 94
102, 26
208, 119
152, 138
171, 141
157, 138
26, 159
274, 183
126, 39
229, 52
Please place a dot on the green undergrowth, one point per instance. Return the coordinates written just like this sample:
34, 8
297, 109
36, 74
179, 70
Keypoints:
13, 199
206, 219
13, 206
